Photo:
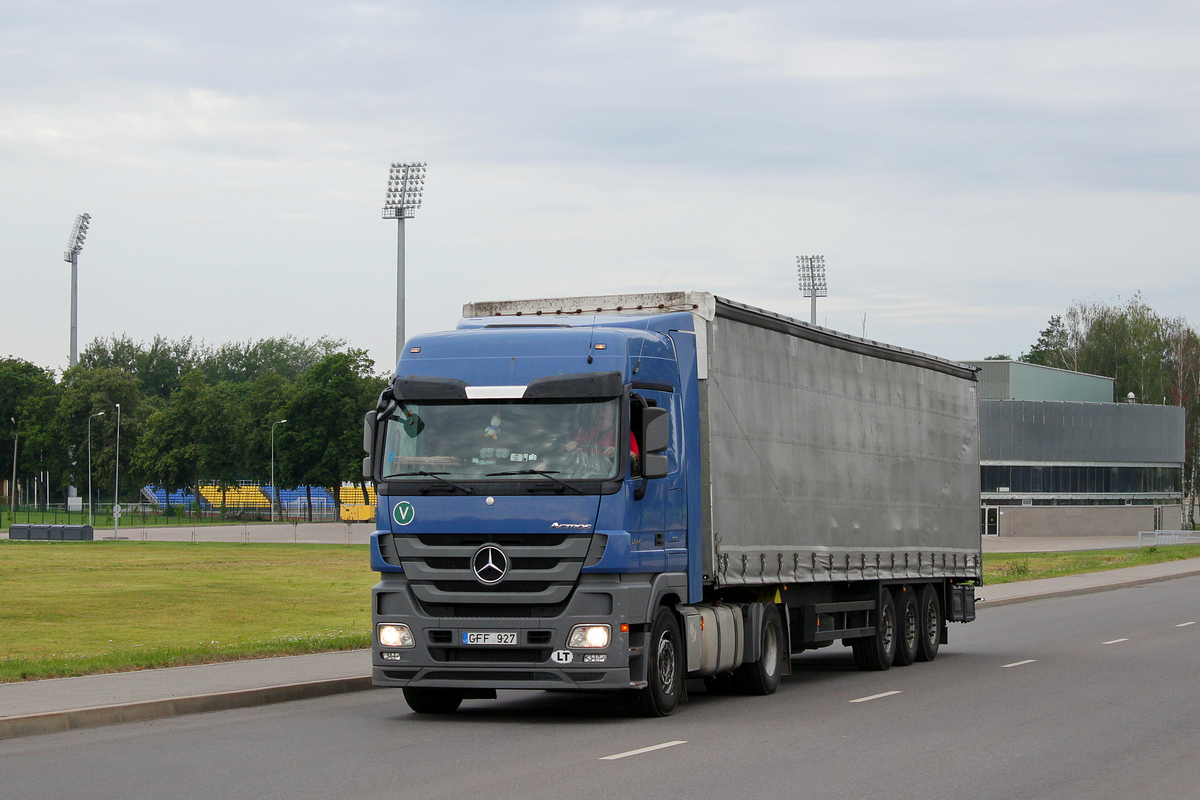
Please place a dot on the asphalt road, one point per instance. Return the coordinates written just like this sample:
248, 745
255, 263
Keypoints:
1092, 696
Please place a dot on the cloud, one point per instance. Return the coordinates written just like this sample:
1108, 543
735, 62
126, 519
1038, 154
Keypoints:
967, 168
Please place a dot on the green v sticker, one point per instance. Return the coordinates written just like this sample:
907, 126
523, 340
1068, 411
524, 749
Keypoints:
403, 513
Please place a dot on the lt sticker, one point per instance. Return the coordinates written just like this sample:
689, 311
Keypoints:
403, 513
562, 656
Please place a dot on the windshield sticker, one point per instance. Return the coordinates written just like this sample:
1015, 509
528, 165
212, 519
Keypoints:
404, 512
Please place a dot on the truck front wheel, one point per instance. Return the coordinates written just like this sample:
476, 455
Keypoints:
664, 668
428, 700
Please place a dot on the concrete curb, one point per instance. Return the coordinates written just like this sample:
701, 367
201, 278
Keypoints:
1005, 601
59, 721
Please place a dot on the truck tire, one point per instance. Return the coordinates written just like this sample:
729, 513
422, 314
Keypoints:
930, 624
908, 625
428, 700
876, 652
762, 676
664, 668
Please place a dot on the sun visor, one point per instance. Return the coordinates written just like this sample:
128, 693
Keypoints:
421, 387
597, 385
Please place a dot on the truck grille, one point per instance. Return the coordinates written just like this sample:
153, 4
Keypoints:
542, 568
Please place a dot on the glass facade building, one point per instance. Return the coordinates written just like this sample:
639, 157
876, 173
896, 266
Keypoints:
1038, 448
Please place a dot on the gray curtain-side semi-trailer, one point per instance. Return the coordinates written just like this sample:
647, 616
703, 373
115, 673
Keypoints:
785, 487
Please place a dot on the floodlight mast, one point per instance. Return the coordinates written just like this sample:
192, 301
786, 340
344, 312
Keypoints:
74, 245
811, 270
406, 183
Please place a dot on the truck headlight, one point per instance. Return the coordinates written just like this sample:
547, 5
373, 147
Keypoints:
395, 634
589, 636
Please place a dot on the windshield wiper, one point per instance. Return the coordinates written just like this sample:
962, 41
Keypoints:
547, 473
435, 476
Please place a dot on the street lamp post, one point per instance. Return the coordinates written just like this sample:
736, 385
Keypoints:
274, 488
12, 488
406, 183
91, 516
812, 280
74, 245
117, 479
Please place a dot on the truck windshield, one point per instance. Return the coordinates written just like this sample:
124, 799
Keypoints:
505, 440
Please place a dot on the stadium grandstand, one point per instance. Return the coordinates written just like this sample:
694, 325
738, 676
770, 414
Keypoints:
250, 500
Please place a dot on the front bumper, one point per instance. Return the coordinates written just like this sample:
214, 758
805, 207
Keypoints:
540, 658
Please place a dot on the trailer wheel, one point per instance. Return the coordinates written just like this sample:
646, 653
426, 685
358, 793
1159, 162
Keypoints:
907, 627
762, 677
429, 700
876, 652
664, 666
930, 624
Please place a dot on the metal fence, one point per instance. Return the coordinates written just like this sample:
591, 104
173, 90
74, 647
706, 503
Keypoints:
1168, 537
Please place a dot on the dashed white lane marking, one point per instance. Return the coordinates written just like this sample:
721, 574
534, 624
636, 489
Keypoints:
640, 750
875, 696
1184, 624
1115, 641
1018, 663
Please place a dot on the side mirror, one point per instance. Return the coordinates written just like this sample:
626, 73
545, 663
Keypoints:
656, 437
656, 429
654, 465
369, 444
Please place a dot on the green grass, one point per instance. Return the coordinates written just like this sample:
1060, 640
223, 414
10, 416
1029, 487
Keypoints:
74, 608
1009, 567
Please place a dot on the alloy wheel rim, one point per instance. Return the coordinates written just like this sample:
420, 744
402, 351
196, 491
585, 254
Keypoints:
666, 662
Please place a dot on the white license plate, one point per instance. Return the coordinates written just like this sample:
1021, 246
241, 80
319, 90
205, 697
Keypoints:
489, 637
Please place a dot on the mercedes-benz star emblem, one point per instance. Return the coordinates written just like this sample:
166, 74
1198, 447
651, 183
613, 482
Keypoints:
489, 564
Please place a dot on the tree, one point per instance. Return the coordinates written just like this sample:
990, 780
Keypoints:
27, 395
322, 442
170, 451
158, 365
285, 356
1051, 348
264, 402
89, 391
1126, 342
220, 420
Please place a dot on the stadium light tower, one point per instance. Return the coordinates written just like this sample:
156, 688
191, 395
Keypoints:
406, 182
74, 245
812, 280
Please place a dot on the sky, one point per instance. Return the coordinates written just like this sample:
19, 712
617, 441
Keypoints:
967, 168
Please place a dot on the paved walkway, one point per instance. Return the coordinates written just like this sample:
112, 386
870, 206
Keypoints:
48, 706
